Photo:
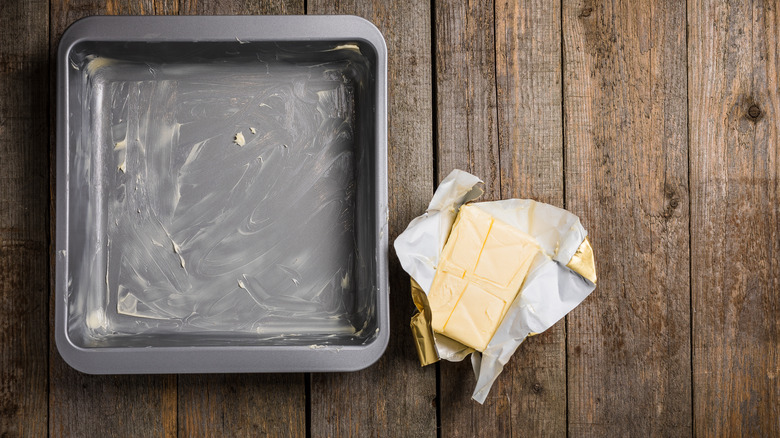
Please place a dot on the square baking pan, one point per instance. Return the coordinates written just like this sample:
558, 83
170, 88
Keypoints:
221, 194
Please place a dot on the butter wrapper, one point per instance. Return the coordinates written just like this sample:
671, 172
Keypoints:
555, 284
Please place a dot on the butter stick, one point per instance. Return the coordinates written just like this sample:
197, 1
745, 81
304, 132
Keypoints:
480, 272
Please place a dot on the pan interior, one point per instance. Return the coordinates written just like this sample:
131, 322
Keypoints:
222, 193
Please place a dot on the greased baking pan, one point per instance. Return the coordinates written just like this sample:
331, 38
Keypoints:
221, 194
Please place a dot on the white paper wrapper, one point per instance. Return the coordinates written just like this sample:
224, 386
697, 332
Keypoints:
550, 291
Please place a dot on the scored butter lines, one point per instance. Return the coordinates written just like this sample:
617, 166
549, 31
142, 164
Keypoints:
481, 271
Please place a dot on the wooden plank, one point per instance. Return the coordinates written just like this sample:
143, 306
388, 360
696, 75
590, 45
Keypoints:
734, 75
626, 176
468, 139
141, 7
530, 133
394, 397
80, 404
242, 404
242, 7
499, 96
466, 92
24, 82
528, 77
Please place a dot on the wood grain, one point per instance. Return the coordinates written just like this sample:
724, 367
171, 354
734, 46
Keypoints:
80, 404
242, 7
499, 113
530, 134
242, 404
467, 132
142, 7
734, 75
626, 176
528, 77
482, 94
394, 397
466, 121
24, 46
110, 406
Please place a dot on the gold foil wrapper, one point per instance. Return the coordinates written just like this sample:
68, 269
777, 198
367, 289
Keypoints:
583, 263
421, 327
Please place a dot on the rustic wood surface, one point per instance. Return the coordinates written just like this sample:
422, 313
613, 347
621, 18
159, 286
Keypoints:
734, 95
530, 135
24, 241
467, 139
499, 116
657, 122
626, 173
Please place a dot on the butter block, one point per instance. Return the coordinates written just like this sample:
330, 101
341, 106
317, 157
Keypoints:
449, 289
480, 272
475, 317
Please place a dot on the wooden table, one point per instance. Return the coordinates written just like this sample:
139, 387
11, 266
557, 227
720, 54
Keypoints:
657, 122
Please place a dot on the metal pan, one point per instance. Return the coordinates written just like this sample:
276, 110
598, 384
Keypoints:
221, 194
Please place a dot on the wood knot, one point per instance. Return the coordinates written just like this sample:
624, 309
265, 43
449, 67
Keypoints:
672, 202
585, 13
537, 388
754, 112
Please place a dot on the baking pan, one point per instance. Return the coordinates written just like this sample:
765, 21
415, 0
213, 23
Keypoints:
221, 194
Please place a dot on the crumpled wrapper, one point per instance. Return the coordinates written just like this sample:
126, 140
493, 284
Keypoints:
555, 284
